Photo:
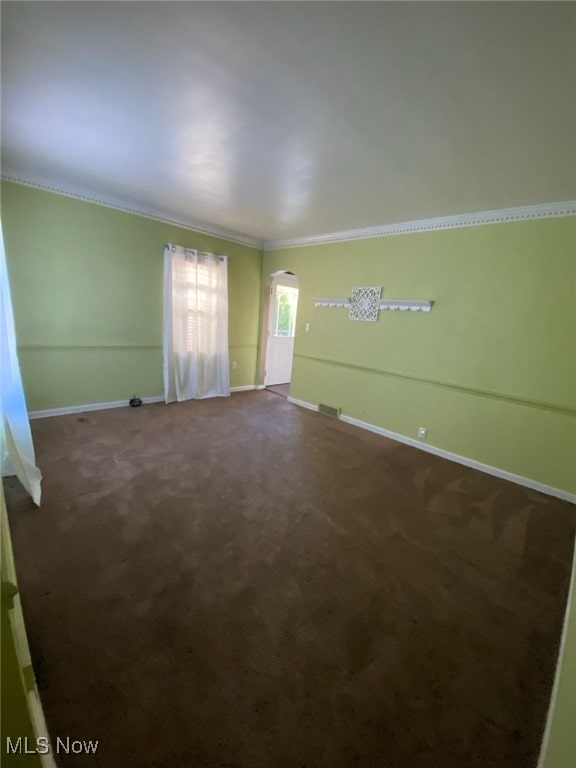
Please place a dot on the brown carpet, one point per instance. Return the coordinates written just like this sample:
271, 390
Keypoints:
279, 389
242, 583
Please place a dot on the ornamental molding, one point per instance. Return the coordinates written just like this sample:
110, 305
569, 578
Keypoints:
500, 216
365, 304
148, 213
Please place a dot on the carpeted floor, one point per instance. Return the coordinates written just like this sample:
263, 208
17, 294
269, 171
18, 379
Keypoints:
242, 583
279, 389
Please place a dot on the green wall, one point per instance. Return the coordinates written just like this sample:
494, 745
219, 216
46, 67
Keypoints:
86, 285
491, 371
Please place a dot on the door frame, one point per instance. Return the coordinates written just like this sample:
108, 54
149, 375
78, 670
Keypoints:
265, 319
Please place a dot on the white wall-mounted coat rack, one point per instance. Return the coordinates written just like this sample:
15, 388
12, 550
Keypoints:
402, 305
413, 305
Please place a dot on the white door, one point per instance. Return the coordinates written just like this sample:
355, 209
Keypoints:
281, 327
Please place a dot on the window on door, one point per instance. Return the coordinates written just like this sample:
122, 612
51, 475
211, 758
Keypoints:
285, 311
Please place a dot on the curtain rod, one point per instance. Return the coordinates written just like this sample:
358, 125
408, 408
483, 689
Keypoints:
168, 245
216, 255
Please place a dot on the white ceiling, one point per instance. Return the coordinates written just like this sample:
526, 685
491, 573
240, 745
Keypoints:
287, 119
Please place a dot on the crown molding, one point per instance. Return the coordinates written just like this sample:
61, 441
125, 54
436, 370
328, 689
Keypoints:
125, 207
499, 216
502, 216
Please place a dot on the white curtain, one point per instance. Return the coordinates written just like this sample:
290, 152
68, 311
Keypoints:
195, 324
16, 448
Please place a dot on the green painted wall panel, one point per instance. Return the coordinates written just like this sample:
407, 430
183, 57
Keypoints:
245, 358
491, 371
59, 377
84, 276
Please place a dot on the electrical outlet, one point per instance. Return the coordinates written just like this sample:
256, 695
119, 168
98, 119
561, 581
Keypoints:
307, 328
422, 432
234, 365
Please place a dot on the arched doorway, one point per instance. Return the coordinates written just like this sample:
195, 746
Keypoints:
280, 332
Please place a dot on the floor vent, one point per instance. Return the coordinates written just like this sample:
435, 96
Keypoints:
328, 410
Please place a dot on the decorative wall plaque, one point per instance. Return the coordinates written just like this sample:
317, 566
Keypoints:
365, 304
404, 305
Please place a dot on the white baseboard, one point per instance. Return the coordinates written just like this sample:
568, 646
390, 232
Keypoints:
113, 404
502, 473
89, 407
303, 404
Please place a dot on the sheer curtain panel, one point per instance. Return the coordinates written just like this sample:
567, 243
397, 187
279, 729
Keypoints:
195, 325
16, 448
